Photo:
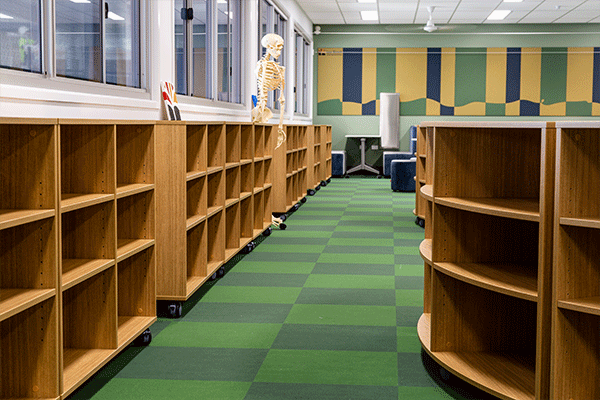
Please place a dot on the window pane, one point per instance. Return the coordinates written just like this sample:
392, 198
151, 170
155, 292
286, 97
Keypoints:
307, 63
78, 39
223, 49
233, 73
123, 43
298, 51
20, 35
199, 48
180, 48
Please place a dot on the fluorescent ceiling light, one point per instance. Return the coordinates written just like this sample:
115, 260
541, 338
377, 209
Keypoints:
222, 1
369, 15
498, 14
114, 17
80, 1
367, 1
4, 16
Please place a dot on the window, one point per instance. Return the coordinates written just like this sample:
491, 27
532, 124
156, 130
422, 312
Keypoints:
20, 35
303, 60
98, 40
272, 21
94, 40
208, 49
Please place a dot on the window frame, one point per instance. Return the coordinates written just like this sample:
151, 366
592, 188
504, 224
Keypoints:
302, 72
212, 49
30, 82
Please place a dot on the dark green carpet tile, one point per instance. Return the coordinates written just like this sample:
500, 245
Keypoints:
324, 310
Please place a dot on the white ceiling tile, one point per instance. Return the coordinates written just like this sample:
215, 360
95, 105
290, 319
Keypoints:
321, 7
357, 6
590, 5
575, 17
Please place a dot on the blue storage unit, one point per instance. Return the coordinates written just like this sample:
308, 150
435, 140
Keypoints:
338, 163
403, 175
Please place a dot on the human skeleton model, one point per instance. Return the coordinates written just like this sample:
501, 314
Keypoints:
270, 76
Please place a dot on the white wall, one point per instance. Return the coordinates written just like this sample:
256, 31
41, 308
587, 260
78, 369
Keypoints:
29, 95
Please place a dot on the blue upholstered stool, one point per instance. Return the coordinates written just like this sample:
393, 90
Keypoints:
389, 156
338, 163
403, 175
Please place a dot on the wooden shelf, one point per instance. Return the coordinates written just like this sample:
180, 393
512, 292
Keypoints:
512, 280
13, 301
213, 210
588, 305
427, 192
593, 223
192, 284
131, 189
212, 170
523, 209
80, 365
10, 218
232, 165
194, 220
75, 201
75, 271
504, 375
425, 251
191, 175
131, 327
230, 202
128, 247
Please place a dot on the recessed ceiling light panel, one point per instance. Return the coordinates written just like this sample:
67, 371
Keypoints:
369, 15
498, 15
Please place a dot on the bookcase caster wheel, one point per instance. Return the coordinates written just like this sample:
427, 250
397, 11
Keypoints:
144, 339
421, 222
220, 272
268, 231
175, 309
379, 176
283, 217
213, 276
318, 188
328, 180
310, 192
323, 183
282, 226
347, 176
303, 200
445, 375
296, 207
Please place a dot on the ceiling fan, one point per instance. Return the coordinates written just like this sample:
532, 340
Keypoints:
430, 26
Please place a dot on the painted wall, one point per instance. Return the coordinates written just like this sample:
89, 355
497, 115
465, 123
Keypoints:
35, 95
463, 36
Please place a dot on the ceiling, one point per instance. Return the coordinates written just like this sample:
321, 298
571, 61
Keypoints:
336, 12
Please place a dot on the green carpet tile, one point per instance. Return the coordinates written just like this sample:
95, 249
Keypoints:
326, 309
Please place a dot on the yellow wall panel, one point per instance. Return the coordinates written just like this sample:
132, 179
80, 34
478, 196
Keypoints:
495, 77
448, 76
475, 108
330, 76
580, 69
595, 109
432, 107
513, 108
531, 73
411, 73
553, 109
349, 108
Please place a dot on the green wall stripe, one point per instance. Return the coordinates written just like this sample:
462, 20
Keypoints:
386, 70
469, 85
554, 75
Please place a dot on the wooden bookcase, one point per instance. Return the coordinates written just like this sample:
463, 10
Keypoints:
211, 179
77, 269
576, 306
420, 177
487, 314
29, 286
326, 148
107, 241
